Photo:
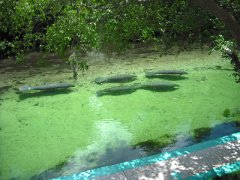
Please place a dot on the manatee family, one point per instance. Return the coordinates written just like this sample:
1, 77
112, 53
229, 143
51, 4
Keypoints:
120, 78
126, 89
153, 86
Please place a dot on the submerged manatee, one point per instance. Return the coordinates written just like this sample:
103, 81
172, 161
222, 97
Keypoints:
164, 72
158, 85
46, 86
118, 90
116, 78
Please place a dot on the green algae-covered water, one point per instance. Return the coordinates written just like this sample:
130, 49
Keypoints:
49, 134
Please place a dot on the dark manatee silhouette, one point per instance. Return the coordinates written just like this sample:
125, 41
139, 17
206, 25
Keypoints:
153, 86
158, 86
151, 74
118, 90
120, 78
46, 87
170, 77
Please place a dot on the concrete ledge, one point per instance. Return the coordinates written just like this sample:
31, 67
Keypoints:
208, 159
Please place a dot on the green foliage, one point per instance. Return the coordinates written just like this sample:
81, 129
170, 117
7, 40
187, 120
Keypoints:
223, 45
24, 24
161, 21
60, 25
73, 29
229, 50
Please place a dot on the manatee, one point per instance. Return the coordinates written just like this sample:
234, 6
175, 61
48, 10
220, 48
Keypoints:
46, 87
164, 72
158, 85
116, 79
118, 90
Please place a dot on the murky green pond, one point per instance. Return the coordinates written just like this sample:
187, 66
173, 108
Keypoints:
48, 134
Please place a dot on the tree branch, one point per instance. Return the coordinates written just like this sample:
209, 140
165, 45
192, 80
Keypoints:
228, 19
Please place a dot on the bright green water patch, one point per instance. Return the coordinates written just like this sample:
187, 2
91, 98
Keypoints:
77, 130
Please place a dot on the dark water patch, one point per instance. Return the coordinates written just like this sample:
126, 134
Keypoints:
224, 129
23, 96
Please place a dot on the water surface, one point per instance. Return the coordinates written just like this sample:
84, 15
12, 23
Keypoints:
46, 134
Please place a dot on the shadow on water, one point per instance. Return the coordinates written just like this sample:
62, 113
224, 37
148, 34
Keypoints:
23, 96
162, 89
224, 129
151, 146
124, 152
123, 90
118, 90
115, 93
168, 77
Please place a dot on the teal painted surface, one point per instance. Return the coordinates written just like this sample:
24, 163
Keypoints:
156, 158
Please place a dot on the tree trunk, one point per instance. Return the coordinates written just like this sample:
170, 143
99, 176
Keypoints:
230, 22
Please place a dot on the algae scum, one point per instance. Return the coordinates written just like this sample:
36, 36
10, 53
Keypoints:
45, 134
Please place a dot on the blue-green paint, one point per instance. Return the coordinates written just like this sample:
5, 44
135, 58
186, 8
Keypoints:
151, 159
